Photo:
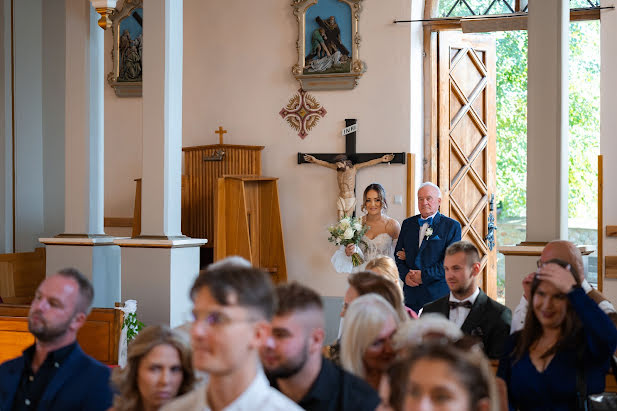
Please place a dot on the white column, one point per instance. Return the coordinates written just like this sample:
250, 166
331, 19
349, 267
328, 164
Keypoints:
162, 114
547, 120
84, 120
159, 267
83, 244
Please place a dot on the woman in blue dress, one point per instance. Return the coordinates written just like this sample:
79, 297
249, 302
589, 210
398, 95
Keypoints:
564, 331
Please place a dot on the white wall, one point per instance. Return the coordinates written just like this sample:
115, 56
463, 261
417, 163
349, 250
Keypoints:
608, 132
237, 74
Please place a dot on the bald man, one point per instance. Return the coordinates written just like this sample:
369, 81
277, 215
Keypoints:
568, 252
293, 362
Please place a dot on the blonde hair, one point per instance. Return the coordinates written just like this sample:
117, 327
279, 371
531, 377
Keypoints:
385, 266
365, 282
124, 380
363, 323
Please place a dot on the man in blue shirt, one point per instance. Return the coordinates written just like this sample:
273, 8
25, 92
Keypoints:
54, 373
293, 361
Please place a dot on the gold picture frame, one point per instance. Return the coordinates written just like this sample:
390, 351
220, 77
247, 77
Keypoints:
333, 60
127, 33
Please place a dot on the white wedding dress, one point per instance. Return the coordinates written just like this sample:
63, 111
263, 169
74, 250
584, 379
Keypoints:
382, 244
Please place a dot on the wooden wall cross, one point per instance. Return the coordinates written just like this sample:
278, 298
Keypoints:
352, 161
220, 132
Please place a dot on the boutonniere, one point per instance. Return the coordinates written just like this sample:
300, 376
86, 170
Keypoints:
428, 232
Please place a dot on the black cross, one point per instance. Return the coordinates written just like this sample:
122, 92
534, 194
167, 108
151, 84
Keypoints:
350, 151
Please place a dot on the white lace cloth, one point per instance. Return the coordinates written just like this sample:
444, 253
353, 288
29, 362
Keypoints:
382, 244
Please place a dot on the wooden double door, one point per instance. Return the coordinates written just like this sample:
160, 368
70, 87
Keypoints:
466, 140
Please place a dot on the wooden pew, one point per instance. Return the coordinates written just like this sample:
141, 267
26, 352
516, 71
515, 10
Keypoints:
98, 337
20, 275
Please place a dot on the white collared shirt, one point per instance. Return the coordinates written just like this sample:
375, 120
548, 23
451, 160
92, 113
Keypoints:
423, 230
459, 315
258, 396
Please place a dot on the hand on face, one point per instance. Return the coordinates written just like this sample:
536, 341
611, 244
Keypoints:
527, 285
557, 275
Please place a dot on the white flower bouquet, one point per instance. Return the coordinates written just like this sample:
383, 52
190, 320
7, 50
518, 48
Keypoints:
348, 231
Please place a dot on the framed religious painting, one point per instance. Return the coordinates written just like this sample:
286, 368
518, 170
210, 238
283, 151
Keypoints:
127, 33
328, 44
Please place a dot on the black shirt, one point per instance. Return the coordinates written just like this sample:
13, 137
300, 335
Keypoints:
336, 389
32, 386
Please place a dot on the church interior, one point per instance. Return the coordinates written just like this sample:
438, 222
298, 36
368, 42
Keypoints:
115, 180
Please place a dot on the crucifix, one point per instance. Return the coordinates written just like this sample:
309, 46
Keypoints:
220, 132
347, 164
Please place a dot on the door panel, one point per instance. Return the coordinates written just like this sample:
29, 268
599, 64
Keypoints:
466, 138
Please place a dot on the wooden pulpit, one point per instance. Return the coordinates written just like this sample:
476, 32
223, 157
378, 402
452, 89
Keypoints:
203, 165
248, 223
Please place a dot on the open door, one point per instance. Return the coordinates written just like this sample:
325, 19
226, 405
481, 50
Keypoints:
466, 127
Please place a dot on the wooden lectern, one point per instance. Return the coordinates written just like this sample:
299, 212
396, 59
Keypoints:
248, 223
203, 165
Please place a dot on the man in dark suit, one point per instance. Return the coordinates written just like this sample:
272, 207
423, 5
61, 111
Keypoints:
467, 305
54, 373
424, 239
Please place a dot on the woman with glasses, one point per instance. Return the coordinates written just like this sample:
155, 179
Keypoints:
366, 346
565, 334
158, 369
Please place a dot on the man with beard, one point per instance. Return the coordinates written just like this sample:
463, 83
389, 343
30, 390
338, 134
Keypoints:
54, 373
293, 361
467, 305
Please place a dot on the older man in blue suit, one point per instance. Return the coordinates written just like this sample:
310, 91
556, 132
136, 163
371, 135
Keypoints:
423, 241
54, 373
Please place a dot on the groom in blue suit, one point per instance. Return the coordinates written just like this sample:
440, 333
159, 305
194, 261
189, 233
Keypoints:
424, 239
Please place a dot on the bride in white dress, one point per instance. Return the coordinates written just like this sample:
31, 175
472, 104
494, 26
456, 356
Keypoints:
380, 239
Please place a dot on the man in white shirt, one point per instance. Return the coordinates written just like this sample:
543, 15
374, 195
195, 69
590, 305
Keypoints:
232, 310
467, 305
568, 252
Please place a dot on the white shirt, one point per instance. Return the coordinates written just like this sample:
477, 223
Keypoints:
258, 396
423, 229
458, 315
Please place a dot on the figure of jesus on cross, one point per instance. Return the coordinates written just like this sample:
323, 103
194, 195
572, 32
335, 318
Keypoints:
346, 177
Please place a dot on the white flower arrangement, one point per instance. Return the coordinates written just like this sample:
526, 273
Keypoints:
349, 230
132, 325
428, 232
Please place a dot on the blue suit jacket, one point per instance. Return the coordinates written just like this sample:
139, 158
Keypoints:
428, 258
81, 383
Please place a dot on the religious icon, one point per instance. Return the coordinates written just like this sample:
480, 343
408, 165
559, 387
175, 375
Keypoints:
127, 32
328, 44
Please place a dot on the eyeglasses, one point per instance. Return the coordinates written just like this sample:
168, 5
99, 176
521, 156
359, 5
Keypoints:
218, 319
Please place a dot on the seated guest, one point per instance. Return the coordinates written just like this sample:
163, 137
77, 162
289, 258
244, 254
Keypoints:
54, 373
232, 310
293, 362
565, 334
366, 346
467, 305
386, 267
439, 376
159, 367
568, 252
363, 283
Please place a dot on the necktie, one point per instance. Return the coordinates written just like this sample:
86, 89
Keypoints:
421, 221
457, 304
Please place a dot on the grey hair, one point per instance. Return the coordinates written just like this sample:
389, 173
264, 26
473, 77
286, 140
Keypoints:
429, 184
233, 261
412, 332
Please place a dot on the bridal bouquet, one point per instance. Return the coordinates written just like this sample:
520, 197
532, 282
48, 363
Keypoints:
348, 231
